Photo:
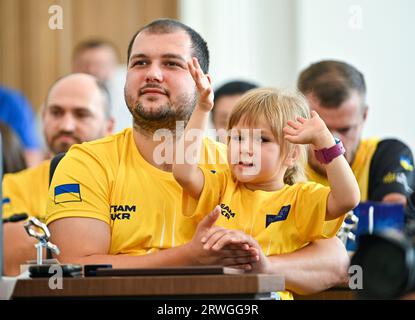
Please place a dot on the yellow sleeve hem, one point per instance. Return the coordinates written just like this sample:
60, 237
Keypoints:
58, 216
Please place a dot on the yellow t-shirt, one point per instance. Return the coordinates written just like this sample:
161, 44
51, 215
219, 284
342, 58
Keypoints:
109, 180
281, 221
360, 168
26, 191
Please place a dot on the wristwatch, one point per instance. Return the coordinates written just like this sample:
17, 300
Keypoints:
326, 155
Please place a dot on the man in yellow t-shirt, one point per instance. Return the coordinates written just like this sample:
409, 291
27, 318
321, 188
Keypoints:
383, 168
77, 109
140, 206
114, 199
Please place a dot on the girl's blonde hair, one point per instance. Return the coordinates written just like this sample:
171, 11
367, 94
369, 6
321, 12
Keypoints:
276, 107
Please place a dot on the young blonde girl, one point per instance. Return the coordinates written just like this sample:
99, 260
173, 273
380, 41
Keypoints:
263, 193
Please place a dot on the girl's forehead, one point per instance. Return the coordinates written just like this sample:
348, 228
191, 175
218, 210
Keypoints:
247, 122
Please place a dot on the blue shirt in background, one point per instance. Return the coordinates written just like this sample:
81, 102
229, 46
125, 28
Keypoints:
16, 111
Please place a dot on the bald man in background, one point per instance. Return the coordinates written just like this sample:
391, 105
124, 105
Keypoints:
77, 109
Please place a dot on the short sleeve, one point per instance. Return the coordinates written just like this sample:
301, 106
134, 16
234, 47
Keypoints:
80, 188
12, 197
214, 184
391, 170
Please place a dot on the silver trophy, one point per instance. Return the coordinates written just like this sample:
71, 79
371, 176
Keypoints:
348, 226
43, 236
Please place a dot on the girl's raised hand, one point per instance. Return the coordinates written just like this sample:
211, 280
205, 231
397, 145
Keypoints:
203, 85
308, 131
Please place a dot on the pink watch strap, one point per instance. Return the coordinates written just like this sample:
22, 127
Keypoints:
326, 155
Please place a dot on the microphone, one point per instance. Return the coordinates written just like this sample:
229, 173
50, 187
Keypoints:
16, 217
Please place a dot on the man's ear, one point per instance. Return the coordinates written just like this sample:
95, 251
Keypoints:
293, 156
365, 112
110, 126
43, 111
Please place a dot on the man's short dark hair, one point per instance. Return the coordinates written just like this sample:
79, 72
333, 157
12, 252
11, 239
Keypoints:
234, 88
92, 44
331, 82
163, 26
237, 87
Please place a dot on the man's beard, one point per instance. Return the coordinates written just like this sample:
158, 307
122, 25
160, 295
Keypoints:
165, 117
62, 146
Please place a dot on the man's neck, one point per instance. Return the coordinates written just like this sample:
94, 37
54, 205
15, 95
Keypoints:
147, 145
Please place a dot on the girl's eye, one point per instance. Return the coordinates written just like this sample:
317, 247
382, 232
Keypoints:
261, 139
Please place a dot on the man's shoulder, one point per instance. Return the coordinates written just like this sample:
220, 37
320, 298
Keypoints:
30, 174
391, 143
113, 139
391, 169
388, 149
110, 145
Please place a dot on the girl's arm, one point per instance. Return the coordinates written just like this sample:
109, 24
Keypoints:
345, 194
185, 166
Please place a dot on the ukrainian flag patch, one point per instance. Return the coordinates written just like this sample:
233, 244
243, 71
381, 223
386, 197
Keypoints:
6, 203
406, 164
68, 193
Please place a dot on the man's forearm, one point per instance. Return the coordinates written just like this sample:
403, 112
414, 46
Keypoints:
178, 256
18, 247
317, 267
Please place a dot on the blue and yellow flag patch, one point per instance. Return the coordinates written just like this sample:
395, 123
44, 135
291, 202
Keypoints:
406, 164
6, 204
68, 193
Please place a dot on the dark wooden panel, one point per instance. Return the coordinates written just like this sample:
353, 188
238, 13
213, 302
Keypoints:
152, 286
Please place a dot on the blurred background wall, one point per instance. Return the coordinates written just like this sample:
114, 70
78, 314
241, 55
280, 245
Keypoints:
32, 55
267, 41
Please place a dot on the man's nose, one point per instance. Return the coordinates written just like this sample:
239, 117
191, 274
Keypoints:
67, 123
154, 73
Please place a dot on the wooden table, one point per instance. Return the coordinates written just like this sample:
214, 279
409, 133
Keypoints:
250, 286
